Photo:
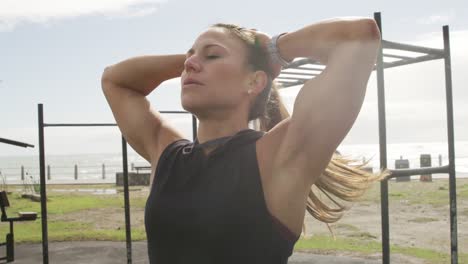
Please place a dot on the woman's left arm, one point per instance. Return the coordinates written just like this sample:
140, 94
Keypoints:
327, 105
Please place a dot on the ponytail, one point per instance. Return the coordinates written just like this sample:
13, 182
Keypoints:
275, 110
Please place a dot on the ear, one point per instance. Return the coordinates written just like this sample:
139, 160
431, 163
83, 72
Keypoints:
258, 82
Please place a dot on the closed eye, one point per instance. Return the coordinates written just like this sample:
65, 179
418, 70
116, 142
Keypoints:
212, 57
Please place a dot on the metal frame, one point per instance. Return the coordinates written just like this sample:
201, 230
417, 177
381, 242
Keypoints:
297, 73
301, 70
15, 143
42, 166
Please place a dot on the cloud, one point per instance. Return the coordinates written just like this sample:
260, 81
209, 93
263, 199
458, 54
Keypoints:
437, 19
15, 12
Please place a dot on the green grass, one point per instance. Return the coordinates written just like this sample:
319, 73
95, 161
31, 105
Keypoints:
326, 244
60, 203
434, 193
69, 231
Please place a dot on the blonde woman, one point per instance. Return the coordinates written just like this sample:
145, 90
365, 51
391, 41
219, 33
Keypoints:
237, 195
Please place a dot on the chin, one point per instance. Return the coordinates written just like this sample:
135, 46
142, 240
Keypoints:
190, 105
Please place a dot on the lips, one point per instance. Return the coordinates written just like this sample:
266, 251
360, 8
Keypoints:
192, 81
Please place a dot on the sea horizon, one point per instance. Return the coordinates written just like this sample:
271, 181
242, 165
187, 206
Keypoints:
102, 167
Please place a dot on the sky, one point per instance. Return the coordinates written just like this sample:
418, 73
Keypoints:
54, 52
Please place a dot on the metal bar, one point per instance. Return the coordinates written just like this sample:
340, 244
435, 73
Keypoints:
45, 239
407, 47
299, 74
289, 84
300, 62
15, 143
410, 172
194, 127
397, 56
451, 149
128, 230
313, 68
383, 149
411, 61
305, 78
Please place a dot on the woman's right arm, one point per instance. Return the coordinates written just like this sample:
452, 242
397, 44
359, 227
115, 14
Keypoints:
126, 85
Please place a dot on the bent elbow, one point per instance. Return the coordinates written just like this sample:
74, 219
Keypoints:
368, 30
106, 78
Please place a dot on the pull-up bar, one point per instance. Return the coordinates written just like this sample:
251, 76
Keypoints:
15, 143
42, 125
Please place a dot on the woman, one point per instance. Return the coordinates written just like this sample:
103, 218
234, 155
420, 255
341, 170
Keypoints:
237, 195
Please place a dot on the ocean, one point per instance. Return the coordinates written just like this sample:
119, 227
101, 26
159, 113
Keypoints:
102, 168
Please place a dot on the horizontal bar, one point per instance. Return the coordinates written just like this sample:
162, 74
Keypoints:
411, 172
397, 56
305, 78
301, 62
399, 46
410, 61
289, 84
299, 74
102, 124
16, 143
305, 67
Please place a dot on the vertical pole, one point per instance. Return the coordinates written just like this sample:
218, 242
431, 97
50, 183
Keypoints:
194, 127
128, 233
45, 240
383, 150
103, 171
76, 172
22, 172
48, 172
451, 149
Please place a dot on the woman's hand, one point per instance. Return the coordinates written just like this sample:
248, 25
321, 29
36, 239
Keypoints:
264, 39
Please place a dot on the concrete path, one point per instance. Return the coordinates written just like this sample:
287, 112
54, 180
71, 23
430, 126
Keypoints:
105, 252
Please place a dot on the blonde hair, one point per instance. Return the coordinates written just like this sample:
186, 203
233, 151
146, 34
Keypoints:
343, 180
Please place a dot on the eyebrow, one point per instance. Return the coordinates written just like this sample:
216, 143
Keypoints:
191, 51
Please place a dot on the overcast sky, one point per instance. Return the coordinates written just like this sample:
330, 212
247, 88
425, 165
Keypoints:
54, 52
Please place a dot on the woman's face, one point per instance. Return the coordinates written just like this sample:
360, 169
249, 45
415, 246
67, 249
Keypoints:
216, 77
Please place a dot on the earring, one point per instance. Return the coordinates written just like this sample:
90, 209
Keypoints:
249, 91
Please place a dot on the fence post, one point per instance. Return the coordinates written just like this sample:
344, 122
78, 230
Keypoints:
440, 160
76, 172
22, 172
425, 161
48, 172
103, 171
402, 164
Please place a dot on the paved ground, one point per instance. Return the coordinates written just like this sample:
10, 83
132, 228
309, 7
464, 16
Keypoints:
97, 252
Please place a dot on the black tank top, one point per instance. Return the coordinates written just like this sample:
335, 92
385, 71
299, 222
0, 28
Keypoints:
211, 208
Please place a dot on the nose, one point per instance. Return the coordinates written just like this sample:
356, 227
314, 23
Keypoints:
192, 64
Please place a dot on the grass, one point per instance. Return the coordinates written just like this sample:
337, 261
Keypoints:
434, 193
66, 203
70, 231
320, 244
59, 204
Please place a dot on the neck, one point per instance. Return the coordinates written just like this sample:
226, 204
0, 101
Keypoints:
211, 129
